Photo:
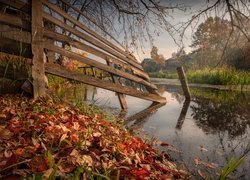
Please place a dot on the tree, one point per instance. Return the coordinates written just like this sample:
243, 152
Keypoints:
150, 66
237, 12
214, 44
159, 58
138, 21
209, 41
134, 21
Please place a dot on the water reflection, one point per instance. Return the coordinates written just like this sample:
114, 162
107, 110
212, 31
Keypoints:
213, 127
219, 113
183, 113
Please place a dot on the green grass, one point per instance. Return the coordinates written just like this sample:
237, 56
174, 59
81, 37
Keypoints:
219, 76
230, 167
215, 76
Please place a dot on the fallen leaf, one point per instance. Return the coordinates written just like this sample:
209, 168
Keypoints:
75, 138
7, 153
203, 149
38, 164
201, 174
35, 142
63, 137
140, 173
164, 144
47, 173
19, 151
197, 161
76, 126
211, 165
5, 133
97, 134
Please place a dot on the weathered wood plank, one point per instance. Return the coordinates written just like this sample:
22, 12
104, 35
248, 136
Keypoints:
15, 21
20, 5
183, 81
128, 54
62, 72
97, 64
91, 32
121, 97
16, 58
92, 50
38, 70
18, 48
15, 33
90, 39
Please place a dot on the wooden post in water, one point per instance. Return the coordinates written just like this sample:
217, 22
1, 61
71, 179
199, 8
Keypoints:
38, 70
121, 97
183, 81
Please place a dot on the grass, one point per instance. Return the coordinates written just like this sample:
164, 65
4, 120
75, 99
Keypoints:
219, 76
167, 75
230, 167
215, 76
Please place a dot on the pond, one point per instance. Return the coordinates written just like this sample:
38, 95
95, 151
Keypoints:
201, 135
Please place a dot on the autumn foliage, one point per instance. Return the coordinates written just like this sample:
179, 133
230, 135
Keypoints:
49, 140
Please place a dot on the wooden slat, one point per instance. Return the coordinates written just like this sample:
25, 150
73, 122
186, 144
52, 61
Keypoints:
129, 55
91, 32
92, 50
11, 46
62, 72
97, 64
15, 33
121, 97
89, 39
38, 71
15, 21
20, 5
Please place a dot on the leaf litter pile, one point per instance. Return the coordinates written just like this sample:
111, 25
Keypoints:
43, 139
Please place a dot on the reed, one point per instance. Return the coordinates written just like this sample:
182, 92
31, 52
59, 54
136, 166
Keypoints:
219, 76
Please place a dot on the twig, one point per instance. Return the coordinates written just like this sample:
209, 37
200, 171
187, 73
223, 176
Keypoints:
13, 165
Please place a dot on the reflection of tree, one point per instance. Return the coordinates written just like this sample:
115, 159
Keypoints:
214, 116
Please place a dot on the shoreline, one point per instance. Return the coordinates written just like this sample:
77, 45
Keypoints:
176, 82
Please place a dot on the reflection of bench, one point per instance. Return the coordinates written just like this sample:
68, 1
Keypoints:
51, 34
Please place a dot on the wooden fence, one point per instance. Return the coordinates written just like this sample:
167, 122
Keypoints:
45, 32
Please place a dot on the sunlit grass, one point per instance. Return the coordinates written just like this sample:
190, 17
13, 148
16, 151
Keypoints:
214, 76
219, 76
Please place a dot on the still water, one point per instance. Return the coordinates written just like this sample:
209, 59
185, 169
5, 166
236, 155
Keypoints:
203, 134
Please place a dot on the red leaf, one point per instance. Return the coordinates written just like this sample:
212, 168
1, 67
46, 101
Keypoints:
38, 164
12, 160
140, 173
20, 151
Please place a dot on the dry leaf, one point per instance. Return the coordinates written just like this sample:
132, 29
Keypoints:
211, 165
164, 144
5, 133
201, 174
47, 173
203, 149
97, 134
64, 136
197, 161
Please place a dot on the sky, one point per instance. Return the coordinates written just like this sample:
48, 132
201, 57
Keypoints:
165, 44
